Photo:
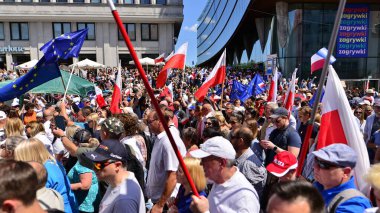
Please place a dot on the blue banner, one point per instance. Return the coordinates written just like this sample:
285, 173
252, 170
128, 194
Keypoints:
352, 40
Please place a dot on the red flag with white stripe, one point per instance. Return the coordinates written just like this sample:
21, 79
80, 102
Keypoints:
217, 76
290, 94
176, 62
318, 59
116, 95
99, 97
272, 96
160, 58
338, 125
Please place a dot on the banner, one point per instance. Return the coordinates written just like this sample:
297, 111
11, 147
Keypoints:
352, 40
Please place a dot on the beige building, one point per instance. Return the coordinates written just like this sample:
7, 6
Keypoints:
25, 25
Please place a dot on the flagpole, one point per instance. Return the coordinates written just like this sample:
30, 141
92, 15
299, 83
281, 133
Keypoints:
305, 145
151, 94
68, 83
221, 96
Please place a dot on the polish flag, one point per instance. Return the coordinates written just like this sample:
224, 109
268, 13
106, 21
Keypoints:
272, 96
116, 95
177, 61
289, 98
169, 56
99, 97
217, 76
338, 125
318, 59
168, 91
160, 58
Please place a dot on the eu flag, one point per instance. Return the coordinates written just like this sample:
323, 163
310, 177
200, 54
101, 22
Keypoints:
42, 72
238, 91
258, 86
66, 46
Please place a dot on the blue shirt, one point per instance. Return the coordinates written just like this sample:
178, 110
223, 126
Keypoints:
184, 201
354, 205
58, 181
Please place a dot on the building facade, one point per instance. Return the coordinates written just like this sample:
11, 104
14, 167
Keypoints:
25, 25
294, 30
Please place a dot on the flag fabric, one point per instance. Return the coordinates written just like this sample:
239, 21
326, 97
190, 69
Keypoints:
177, 61
258, 86
238, 91
42, 72
169, 56
272, 96
116, 95
217, 76
338, 125
167, 92
311, 102
99, 97
66, 46
289, 98
318, 59
160, 58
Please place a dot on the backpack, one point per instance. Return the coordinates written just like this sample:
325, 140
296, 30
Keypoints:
342, 197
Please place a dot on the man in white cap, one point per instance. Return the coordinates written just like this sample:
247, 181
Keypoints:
231, 191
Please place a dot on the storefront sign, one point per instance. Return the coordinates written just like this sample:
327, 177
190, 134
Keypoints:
271, 63
352, 41
10, 49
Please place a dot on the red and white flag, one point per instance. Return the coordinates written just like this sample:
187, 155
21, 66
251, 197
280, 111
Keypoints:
99, 97
290, 94
176, 62
116, 95
169, 56
338, 125
167, 92
272, 96
217, 76
160, 58
318, 59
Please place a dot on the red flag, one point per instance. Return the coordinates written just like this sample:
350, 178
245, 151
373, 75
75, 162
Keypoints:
169, 56
290, 94
116, 95
272, 96
338, 125
177, 61
99, 97
217, 76
160, 58
167, 92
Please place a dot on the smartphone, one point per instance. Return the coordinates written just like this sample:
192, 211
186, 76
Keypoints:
60, 122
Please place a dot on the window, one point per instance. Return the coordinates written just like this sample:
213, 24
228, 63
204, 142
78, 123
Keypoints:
2, 37
160, 1
19, 31
128, 1
149, 32
9, 1
96, 1
78, 1
27, 1
45, 1
60, 28
131, 30
91, 30
61, 1
145, 2
115, 1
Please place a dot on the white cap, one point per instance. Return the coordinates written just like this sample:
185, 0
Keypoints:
15, 102
217, 146
365, 102
3, 115
39, 115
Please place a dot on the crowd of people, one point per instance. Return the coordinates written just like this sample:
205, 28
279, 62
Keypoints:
70, 155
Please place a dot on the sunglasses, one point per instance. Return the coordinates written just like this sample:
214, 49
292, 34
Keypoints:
325, 165
101, 165
358, 112
208, 123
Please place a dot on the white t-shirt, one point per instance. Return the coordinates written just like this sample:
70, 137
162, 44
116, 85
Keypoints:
132, 143
126, 197
234, 195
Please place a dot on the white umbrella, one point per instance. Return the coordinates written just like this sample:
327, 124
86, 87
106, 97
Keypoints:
88, 64
28, 65
148, 61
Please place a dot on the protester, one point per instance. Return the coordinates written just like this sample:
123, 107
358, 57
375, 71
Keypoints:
284, 166
373, 178
8, 147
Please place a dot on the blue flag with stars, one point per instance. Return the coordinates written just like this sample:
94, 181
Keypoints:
42, 72
65, 46
238, 91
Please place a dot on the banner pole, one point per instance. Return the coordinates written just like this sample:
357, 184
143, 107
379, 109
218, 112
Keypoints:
334, 34
151, 94
68, 82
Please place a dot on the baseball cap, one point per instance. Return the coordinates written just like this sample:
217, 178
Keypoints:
191, 107
282, 163
279, 112
113, 125
108, 150
15, 102
338, 154
3, 115
365, 102
217, 146
369, 91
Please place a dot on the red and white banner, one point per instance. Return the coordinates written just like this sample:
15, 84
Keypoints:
99, 97
338, 125
318, 59
217, 76
290, 94
176, 62
116, 95
169, 56
160, 58
272, 96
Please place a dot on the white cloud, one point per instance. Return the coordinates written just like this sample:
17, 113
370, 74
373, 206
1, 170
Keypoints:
192, 28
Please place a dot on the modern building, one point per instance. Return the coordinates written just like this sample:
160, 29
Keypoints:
294, 30
25, 25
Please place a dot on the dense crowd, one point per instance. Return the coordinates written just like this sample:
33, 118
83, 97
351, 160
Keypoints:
72, 156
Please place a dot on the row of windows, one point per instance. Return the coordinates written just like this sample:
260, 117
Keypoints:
161, 2
20, 31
